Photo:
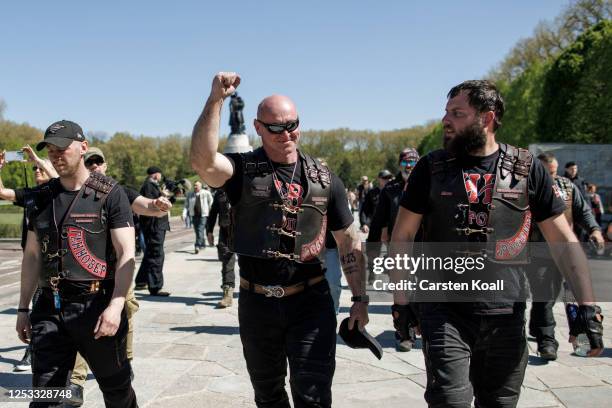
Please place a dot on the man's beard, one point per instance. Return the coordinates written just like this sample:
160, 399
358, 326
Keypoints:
469, 140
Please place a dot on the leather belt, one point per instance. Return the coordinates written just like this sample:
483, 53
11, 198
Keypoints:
279, 291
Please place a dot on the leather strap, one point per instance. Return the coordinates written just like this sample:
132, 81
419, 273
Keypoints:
279, 291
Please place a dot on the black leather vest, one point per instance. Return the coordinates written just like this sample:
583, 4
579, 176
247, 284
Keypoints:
257, 219
509, 220
567, 194
75, 249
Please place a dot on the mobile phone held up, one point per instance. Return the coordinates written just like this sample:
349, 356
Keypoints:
13, 156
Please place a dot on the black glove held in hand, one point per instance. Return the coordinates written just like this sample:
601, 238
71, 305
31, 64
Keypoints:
403, 319
589, 320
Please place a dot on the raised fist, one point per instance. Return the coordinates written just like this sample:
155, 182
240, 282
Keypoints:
224, 84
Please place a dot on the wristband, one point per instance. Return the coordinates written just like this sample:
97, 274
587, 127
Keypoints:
23, 310
361, 298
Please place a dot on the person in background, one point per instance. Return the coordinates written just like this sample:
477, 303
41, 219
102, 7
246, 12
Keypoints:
596, 203
198, 203
150, 274
362, 190
371, 200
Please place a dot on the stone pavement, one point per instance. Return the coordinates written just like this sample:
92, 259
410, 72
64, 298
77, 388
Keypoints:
188, 354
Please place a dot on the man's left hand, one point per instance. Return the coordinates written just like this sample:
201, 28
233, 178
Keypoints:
108, 322
359, 312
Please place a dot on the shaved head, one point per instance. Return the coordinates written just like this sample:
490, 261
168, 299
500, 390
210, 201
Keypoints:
278, 110
275, 105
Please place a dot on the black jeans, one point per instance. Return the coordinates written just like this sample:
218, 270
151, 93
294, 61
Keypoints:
228, 260
299, 328
57, 336
152, 266
545, 282
472, 355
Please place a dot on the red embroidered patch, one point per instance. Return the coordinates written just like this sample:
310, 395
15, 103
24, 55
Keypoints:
509, 248
83, 255
314, 247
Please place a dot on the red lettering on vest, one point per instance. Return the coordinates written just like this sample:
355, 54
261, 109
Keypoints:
474, 193
511, 247
487, 190
311, 249
471, 186
83, 255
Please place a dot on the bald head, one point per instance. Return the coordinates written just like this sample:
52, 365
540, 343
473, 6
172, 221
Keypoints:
274, 106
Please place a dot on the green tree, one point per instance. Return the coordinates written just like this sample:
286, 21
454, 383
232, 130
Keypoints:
523, 99
576, 105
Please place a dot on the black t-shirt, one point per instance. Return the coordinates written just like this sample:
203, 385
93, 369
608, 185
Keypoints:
131, 194
117, 206
479, 180
151, 190
282, 271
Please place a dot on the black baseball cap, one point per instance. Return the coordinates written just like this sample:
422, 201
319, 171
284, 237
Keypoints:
153, 170
359, 338
385, 174
61, 134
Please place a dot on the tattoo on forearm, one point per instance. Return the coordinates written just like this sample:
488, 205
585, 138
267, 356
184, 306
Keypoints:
350, 262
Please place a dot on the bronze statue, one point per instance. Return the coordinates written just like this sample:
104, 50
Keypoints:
236, 119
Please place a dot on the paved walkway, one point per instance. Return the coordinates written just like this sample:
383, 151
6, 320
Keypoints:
188, 354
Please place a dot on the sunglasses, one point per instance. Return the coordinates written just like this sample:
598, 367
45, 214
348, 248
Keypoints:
278, 128
405, 163
94, 160
36, 168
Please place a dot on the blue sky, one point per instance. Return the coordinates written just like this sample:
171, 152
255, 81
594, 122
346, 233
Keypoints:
146, 66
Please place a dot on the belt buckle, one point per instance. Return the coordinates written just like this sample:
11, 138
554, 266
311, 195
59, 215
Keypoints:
274, 291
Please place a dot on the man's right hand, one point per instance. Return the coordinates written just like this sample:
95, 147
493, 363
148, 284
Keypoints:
211, 239
224, 84
24, 327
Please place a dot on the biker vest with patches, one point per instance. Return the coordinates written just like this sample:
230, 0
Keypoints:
258, 219
74, 248
509, 220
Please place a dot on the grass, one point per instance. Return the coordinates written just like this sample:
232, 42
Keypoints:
11, 219
9, 208
10, 225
